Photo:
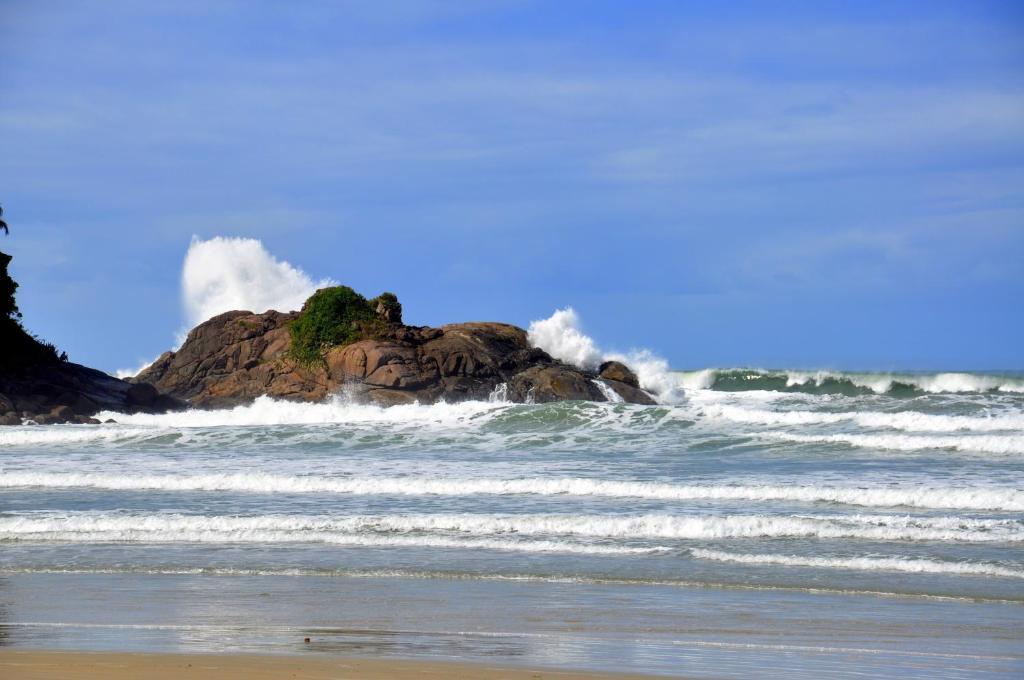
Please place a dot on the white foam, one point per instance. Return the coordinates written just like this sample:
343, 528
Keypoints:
610, 395
560, 336
696, 380
268, 411
910, 421
410, 419
879, 383
31, 435
980, 498
1009, 444
385, 531
99, 527
908, 565
224, 274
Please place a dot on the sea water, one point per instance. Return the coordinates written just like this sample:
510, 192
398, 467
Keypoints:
778, 522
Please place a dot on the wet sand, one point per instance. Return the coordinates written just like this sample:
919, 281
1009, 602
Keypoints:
35, 665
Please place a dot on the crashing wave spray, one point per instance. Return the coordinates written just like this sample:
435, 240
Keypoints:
560, 336
224, 274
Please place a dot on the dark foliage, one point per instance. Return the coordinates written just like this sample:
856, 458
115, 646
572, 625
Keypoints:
331, 317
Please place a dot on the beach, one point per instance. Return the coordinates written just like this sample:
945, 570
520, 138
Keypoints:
20, 665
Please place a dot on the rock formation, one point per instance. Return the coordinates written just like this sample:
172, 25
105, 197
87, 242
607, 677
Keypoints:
237, 356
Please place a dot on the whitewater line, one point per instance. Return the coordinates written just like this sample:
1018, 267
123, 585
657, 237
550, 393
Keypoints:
901, 442
168, 527
966, 498
906, 565
911, 421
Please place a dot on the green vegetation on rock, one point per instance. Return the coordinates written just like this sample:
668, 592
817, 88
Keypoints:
387, 307
332, 317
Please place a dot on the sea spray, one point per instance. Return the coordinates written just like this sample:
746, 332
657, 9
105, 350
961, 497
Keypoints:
224, 274
560, 335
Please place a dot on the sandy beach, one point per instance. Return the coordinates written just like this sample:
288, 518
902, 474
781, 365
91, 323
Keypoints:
30, 665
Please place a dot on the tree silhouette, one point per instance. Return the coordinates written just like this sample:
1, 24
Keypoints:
3, 225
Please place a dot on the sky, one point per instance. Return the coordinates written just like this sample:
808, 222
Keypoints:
804, 185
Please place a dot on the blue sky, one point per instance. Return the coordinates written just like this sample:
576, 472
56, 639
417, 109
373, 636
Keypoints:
832, 185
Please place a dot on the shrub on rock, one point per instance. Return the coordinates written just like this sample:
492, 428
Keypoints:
331, 317
387, 307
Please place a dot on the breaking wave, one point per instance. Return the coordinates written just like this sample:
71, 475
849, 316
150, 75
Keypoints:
907, 565
455, 528
938, 498
1009, 444
849, 383
560, 336
911, 421
395, 531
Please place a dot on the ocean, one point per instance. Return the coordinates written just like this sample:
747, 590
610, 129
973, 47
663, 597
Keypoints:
783, 523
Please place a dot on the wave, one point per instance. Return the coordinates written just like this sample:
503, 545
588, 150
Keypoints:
483, 530
907, 565
383, 531
516, 577
849, 383
964, 498
337, 410
266, 412
900, 442
910, 421
560, 336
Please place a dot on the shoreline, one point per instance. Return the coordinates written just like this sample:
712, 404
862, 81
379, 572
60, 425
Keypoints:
21, 664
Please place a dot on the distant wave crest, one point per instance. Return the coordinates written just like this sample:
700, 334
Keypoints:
850, 383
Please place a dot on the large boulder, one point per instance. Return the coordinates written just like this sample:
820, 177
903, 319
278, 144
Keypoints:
619, 372
541, 384
628, 393
233, 358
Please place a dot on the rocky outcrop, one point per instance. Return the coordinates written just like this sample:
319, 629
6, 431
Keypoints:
64, 392
238, 356
623, 382
38, 384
